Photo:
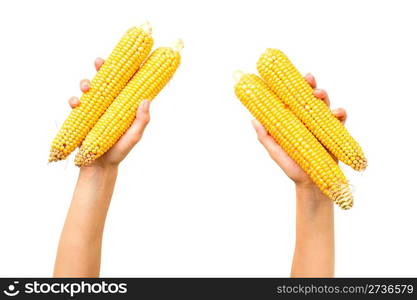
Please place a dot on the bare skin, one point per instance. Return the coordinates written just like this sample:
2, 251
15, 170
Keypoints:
79, 249
314, 247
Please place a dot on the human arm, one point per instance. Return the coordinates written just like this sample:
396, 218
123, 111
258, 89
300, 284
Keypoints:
314, 248
79, 249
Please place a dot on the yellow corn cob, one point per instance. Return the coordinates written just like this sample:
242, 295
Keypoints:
291, 134
145, 85
112, 77
285, 80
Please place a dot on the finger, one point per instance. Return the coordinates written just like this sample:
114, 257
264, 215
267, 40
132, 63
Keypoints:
85, 85
142, 115
340, 114
74, 102
266, 140
311, 80
98, 63
135, 131
274, 149
260, 130
322, 94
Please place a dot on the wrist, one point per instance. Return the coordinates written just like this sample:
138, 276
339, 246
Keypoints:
311, 200
308, 190
305, 185
95, 185
99, 170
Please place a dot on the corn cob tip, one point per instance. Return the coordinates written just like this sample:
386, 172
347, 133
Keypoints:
178, 45
237, 75
363, 163
358, 163
342, 196
55, 155
83, 158
147, 27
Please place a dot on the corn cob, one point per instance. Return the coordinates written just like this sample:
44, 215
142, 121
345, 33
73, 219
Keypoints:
285, 80
112, 77
145, 85
291, 134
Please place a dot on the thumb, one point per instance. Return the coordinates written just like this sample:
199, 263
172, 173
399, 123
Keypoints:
139, 124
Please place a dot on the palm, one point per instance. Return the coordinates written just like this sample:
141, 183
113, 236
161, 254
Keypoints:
291, 168
287, 164
123, 146
129, 139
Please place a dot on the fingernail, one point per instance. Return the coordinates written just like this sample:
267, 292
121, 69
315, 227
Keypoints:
255, 124
317, 92
145, 105
73, 102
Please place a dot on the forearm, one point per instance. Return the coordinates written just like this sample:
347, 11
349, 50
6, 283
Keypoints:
79, 250
314, 249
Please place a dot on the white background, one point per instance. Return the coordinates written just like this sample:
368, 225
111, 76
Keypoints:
199, 196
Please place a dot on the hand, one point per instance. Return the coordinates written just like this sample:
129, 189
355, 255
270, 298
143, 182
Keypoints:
287, 164
128, 140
